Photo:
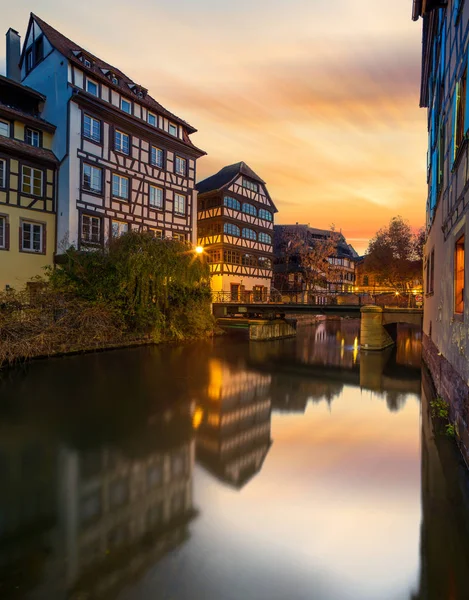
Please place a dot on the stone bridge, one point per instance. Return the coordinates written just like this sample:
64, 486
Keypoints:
378, 328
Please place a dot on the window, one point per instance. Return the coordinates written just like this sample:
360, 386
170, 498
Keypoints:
31, 181
179, 237
179, 204
459, 276
157, 157
87, 63
29, 60
173, 129
180, 165
156, 196
32, 137
118, 228
460, 111
265, 238
230, 202
126, 106
249, 209
3, 173
120, 187
92, 87
249, 234
250, 185
265, 214
152, 119
38, 49
92, 128
249, 260
3, 233
90, 229
157, 233
32, 236
431, 272
265, 263
5, 128
231, 229
92, 178
121, 142
231, 257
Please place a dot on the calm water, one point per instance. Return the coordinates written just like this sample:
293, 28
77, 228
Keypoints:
291, 470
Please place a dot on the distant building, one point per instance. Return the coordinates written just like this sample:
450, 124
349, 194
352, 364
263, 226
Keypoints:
290, 272
28, 183
235, 226
126, 162
444, 94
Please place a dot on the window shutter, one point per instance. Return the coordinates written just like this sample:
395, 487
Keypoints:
44, 238
7, 235
20, 238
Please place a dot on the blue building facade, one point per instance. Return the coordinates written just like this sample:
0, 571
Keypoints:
445, 53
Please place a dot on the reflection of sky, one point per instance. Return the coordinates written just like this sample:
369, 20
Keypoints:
319, 96
334, 513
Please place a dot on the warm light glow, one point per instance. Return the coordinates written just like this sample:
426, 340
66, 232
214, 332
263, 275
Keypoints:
414, 292
397, 293
197, 417
199, 250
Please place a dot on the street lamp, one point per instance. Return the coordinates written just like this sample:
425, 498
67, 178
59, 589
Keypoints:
199, 250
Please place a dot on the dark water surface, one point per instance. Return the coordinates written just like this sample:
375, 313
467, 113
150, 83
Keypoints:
227, 470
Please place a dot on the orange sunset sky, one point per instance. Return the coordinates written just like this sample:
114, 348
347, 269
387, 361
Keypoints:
319, 97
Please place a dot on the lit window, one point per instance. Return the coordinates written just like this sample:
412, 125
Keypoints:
249, 234
91, 229
92, 178
250, 185
92, 87
32, 137
3, 232
231, 203
126, 106
92, 128
180, 165
231, 229
265, 238
459, 276
265, 214
121, 142
157, 157
157, 233
5, 128
118, 228
3, 172
120, 187
249, 209
179, 237
31, 181
156, 196
152, 119
32, 236
179, 204
173, 129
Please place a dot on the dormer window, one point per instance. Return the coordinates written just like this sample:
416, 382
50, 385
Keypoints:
173, 129
87, 63
138, 91
114, 80
86, 60
126, 106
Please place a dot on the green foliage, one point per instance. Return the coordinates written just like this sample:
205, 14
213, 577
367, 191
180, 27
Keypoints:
439, 408
450, 431
158, 287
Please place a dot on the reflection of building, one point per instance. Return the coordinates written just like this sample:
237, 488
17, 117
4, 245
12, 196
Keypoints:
235, 226
444, 94
234, 435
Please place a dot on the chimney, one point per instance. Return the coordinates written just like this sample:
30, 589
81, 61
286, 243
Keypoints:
13, 55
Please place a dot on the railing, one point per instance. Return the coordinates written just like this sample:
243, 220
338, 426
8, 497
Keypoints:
317, 298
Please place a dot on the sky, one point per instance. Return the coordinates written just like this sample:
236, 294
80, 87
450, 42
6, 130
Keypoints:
319, 97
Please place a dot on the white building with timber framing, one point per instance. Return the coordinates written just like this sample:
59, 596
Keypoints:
235, 227
125, 161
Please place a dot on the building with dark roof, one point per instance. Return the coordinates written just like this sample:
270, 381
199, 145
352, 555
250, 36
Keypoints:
126, 162
235, 226
27, 184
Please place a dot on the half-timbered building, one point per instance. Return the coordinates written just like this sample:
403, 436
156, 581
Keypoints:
27, 183
126, 162
235, 227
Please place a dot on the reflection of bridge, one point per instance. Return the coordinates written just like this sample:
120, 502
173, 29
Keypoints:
378, 328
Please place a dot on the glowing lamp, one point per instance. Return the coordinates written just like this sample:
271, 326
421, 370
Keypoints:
199, 249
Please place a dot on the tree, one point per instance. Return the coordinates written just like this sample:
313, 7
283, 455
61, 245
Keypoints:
395, 255
308, 256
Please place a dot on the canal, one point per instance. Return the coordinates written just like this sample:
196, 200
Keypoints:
298, 469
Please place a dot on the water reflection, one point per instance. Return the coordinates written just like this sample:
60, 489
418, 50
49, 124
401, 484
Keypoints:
165, 472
